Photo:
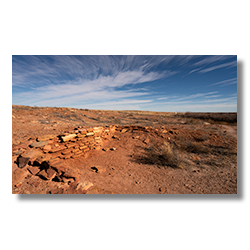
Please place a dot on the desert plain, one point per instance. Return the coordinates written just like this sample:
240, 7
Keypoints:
81, 151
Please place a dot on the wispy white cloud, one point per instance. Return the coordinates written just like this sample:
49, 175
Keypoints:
195, 96
224, 65
102, 88
211, 59
225, 82
110, 81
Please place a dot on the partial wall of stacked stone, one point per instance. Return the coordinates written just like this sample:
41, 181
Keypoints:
76, 144
46, 156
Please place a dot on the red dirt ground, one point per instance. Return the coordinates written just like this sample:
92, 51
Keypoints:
204, 155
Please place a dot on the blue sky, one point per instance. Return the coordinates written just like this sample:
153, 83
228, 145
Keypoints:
155, 83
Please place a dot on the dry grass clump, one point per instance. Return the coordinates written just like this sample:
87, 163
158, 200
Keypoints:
165, 155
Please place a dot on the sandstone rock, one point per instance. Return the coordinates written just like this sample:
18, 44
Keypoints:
70, 145
71, 173
98, 169
66, 151
68, 137
54, 160
79, 152
89, 134
43, 175
59, 167
57, 149
84, 185
45, 138
136, 137
19, 184
31, 153
97, 128
47, 148
51, 173
38, 144
40, 159
68, 180
34, 170
77, 155
18, 175
66, 156
22, 161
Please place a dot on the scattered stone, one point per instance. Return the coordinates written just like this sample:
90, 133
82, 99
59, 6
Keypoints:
51, 173
98, 169
105, 149
124, 130
71, 173
59, 167
206, 123
162, 190
34, 170
22, 161
136, 137
146, 141
18, 152
164, 131
84, 185
43, 175
115, 137
68, 180
113, 149
19, 184
18, 175
31, 153
38, 144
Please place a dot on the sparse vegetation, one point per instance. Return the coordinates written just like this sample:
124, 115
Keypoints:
164, 155
222, 118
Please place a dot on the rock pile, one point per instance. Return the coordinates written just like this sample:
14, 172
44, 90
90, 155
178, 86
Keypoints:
46, 156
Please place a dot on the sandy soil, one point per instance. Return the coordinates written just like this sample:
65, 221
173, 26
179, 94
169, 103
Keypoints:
175, 156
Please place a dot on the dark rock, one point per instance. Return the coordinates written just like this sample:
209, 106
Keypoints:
22, 161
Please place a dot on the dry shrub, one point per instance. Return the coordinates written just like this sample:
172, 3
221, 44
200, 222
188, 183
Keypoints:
194, 147
230, 118
164, 154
